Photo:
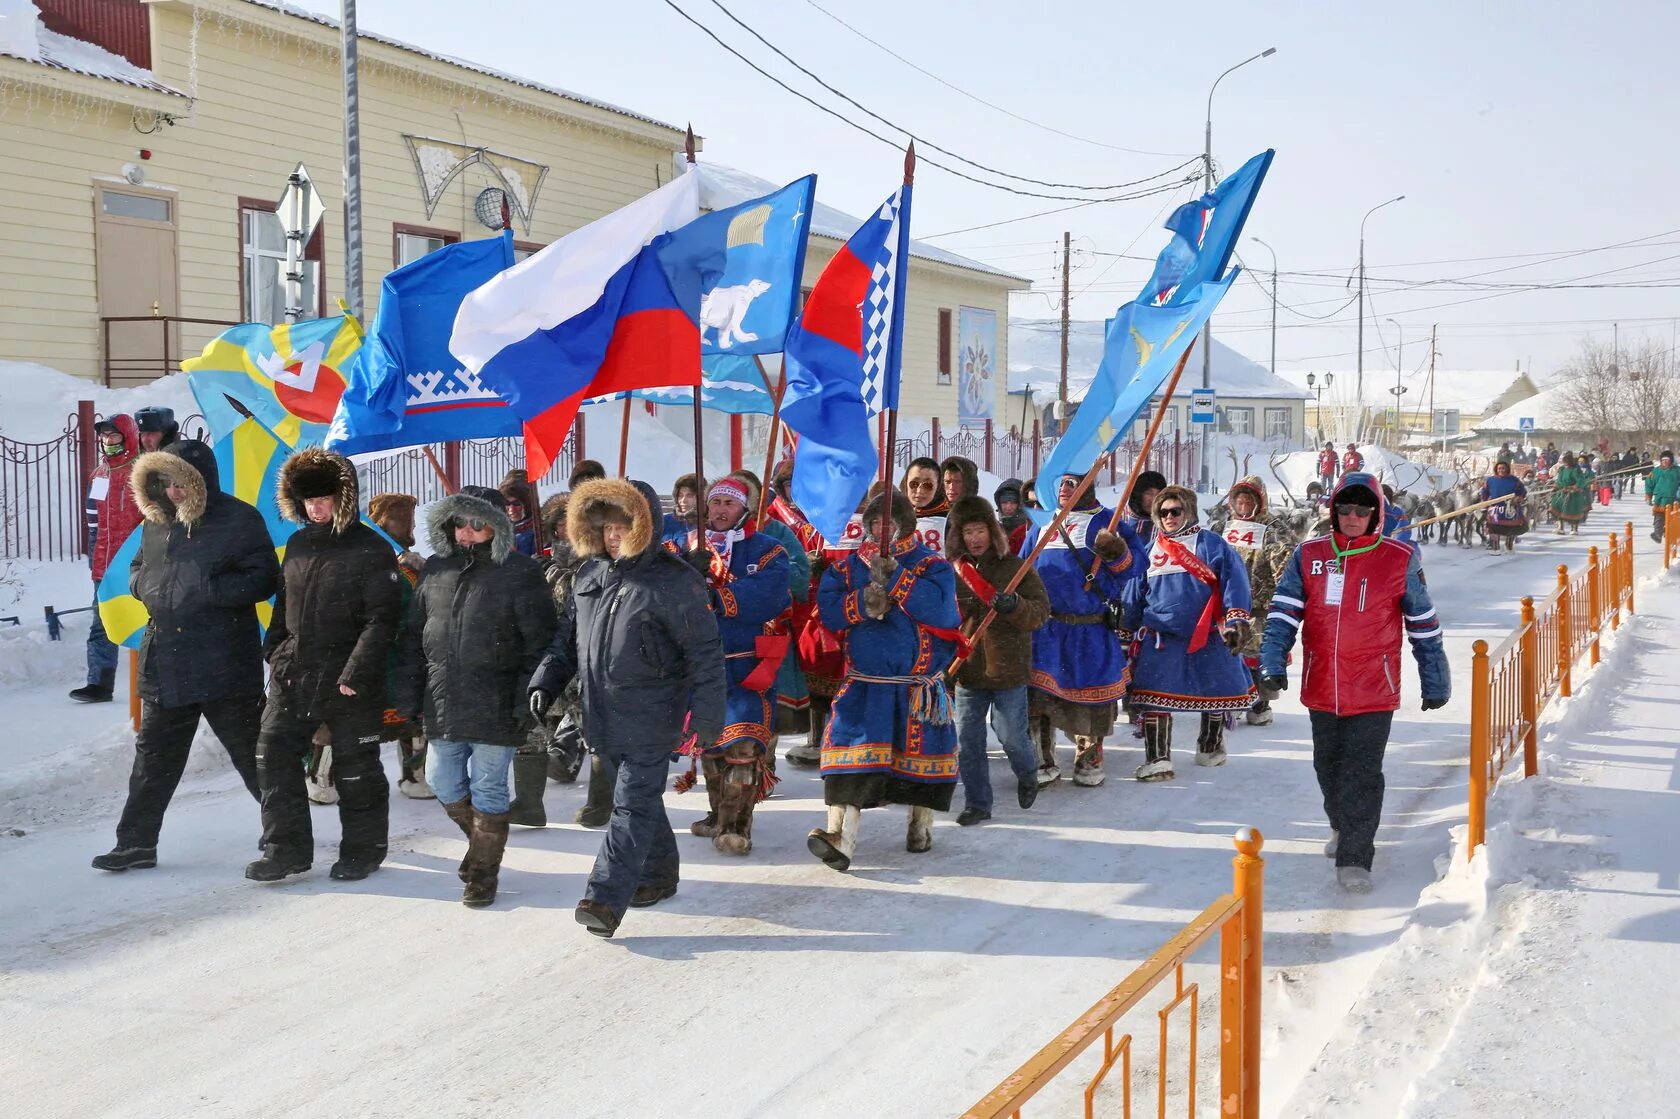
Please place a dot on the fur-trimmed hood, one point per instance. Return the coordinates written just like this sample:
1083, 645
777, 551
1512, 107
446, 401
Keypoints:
317, 468
903, 514
593, 499
188, 464
1251, 484
517, 486
124, 426
1148, 480
441, 518
554, 514
1185, 496
967, 468
967, 511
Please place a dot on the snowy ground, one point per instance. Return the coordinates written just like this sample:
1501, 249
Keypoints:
908, 987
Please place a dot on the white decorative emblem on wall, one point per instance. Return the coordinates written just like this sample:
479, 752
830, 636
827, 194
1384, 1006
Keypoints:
439, 161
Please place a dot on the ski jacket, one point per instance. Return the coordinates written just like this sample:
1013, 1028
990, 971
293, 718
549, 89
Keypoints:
112, 512
1327, 464
1349, 601
1353, 462
478, 626
1662, 485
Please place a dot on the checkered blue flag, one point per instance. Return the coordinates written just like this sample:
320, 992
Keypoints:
882, 319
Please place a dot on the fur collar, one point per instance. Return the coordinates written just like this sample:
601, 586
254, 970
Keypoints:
595, 498
169, 468
346, 511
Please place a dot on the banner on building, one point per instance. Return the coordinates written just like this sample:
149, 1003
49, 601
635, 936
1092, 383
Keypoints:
977, 347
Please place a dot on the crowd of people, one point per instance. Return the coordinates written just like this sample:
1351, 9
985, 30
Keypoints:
598, 627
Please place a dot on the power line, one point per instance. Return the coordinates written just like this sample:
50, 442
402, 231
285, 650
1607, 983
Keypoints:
981, 100
791, 61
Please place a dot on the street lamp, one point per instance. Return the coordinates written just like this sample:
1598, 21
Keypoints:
1399, 356
1273, 251
1359, 383
1319, 387
1207, 180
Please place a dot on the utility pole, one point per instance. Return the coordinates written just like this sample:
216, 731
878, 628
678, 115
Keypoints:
352, 163
1359, 375
1432, 329
1067, 253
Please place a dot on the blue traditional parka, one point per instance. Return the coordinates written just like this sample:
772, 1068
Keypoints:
1076, 656
891, 717
1194, 586
748, 585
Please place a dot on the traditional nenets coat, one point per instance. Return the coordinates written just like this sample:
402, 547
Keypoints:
1509, 519
822, 653
747, 578
891, 738
1189, 615
1265, 542
793, 698
1078, 660
1571, 499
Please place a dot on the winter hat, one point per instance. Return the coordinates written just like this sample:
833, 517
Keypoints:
155, 417
728, 487
655, 508
516, 486
1148, 480
689, 481
967, 511
554, 512
1175, 493
586, 471
1009, 490
903, 514
485, 493
1669, 455
1250, 485
315, 479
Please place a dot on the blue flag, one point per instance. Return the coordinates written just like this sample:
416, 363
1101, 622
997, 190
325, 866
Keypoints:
748, 308
405, 388
729, 383
1140, 349
842, 362
1204, 232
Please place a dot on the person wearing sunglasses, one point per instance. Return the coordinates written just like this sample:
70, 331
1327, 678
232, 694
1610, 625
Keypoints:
1190, 615
1349, 596
112, 514
924, 484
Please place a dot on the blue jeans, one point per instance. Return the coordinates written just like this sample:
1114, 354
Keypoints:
447, 771
1008, 708
101, 653
639, 848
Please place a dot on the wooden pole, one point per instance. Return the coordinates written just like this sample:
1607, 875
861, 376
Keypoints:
437, 468
624, 438
699, 426
776, 391
134, 689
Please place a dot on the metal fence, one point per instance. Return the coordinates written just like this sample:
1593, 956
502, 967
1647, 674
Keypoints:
473, 462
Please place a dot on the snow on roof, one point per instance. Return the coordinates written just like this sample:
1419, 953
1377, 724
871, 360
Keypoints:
61, 52
1035, 362
1471, 391
499, 75
721, 187
1549, 408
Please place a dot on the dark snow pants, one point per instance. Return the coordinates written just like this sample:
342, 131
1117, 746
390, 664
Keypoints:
160, 757
1348, 757
364, 794
639, 848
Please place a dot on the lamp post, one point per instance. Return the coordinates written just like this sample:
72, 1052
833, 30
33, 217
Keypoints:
1318, 387
1359, 382
1207, 181
1273, 251
1399, 356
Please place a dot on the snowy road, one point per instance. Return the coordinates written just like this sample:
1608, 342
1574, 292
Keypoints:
770, 986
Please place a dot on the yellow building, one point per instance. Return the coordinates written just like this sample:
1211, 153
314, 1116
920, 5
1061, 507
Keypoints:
149, 140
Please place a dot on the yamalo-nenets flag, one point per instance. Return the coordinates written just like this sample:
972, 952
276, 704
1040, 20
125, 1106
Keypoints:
290, 377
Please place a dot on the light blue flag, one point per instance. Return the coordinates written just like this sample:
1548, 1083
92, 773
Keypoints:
1204, 231
730, 383
1140, 349
748, 308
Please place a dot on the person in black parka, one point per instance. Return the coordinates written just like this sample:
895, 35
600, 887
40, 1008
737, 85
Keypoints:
205, 562
478, 626
328, 645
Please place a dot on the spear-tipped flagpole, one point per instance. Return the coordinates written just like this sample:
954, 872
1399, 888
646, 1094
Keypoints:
699, 432
776, 390
891, 445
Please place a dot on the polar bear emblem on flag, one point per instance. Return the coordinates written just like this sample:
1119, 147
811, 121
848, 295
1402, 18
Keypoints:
724, 310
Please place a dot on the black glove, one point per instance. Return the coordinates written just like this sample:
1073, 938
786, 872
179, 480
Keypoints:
539, 701
1006, 602
1278, 683
1431, 703
700, 559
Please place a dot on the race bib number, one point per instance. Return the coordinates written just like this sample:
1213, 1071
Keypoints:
1077, 525
930, 531
100, 487
1249, 536
1162, 563
1333, 588
852, 537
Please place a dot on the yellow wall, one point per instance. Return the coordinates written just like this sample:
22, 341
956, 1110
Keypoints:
266, 89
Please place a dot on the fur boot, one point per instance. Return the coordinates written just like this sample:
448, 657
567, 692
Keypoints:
597, 808
1157, 747
461, 812
1045, 736
1087, 761
484, 858
738, 787
835, 844
530, 779
808, 754
919, 837
1210, 744
711, 768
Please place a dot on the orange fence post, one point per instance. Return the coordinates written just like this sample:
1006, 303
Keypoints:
1595, 599
134, 689
1615, 582
1248, 874
1529, 682
1481, 730
1564, 631
1630, 566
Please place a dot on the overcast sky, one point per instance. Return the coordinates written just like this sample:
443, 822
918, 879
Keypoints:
1540, 127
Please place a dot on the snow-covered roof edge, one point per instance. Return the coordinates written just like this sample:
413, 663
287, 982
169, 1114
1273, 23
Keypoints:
722, 186
74, 56
477, 68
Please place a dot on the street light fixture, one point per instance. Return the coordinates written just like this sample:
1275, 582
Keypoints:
1399, 357
1207, 180
1319, 387
1359, 384
1273, 251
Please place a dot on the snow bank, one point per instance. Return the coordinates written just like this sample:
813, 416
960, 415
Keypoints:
37, 401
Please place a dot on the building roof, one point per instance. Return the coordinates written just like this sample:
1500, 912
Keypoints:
1549, 408
291, 9
1470, 391
1035, 363
722, 187
61, 52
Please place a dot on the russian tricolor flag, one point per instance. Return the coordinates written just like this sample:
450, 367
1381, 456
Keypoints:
596, 312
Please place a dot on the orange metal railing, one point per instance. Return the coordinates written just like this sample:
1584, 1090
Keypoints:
1671, 540
1511, 685
1237, 919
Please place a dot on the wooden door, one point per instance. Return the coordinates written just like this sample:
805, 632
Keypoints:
136, 254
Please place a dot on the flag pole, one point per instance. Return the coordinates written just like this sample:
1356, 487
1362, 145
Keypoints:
890, 446
1143, 451
776, 391
699, 433
437, 467
624, 440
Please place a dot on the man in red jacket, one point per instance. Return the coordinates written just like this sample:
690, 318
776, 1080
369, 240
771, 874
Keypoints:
1327, 465
1351, 595
1352, 462
112, 513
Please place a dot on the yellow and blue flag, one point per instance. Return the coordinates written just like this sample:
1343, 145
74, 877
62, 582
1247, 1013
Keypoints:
290, 376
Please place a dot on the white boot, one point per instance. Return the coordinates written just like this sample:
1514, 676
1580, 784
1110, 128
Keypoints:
1331, 844
920, 836
834, 844
318, 785
417, 789
1087, 762
1353, 879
